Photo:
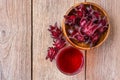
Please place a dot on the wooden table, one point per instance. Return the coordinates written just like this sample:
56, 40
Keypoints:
24, 40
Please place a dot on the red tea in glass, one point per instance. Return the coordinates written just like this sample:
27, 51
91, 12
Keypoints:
70, 60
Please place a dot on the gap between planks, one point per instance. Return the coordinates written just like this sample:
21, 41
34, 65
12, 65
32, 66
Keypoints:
31, 39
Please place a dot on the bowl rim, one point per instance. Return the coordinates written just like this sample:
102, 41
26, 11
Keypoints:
88, 48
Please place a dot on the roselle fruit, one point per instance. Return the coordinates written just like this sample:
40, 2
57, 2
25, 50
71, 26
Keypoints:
55, 31
52, 52
58, 41
86, 24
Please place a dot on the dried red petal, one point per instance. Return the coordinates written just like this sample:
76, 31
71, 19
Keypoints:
51, 53
59, 43
95, 37
87, 39
70, 20
90, 9
102, 29
79, 14
81, 7
96, 14
79, 38
83, 22
55, 31
77, 21
70, 31
87, 27
104, 21
73, 33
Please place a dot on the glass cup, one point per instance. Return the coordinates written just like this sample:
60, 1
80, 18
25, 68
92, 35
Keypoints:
70, 60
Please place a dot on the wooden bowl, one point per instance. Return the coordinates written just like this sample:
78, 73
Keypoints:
82, 45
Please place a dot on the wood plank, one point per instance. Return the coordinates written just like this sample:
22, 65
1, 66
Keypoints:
103, 63
15, 39
46, 12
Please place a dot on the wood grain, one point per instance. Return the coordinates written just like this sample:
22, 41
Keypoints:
46, 12
15, 39
103, 63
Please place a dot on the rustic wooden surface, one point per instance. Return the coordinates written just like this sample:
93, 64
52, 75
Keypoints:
102, 63
15, 40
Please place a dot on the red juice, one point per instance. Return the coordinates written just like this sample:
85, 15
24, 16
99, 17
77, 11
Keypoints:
70, 60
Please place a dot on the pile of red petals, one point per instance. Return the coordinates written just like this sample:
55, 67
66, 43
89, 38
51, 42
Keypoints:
58, 41
86, 24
